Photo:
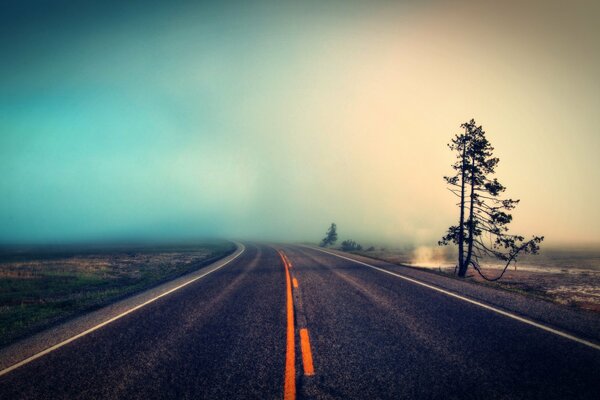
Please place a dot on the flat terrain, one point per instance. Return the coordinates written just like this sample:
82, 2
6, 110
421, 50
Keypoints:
568, 276
365, 333
42, 286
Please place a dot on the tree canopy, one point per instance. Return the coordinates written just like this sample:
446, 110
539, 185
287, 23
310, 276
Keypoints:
482, 229
330, 237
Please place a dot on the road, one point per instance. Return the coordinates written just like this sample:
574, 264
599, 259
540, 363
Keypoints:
293, 322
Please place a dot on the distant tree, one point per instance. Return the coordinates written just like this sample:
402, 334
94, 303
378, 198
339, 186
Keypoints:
371, 248
330, 237
482, 229
351, 245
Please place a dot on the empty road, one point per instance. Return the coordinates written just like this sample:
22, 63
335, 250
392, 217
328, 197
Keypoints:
289, 322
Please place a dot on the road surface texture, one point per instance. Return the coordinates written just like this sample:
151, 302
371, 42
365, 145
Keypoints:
294, 322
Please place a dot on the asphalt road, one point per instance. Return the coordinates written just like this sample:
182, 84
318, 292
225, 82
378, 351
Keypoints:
310, 325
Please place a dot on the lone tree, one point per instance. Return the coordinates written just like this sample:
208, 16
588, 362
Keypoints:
330, 237
482, 230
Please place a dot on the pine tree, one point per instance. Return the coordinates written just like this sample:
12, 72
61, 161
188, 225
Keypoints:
482, 230
330, 237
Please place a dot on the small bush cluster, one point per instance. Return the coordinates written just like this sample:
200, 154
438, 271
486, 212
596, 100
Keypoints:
351, 245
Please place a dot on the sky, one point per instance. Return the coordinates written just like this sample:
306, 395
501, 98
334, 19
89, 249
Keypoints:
272, 119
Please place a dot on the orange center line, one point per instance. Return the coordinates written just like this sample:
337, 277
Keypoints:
289, 389
307, 360
295, 282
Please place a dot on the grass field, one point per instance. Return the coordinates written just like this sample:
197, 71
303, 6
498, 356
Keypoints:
42, 286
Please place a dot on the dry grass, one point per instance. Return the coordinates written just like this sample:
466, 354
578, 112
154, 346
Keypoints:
41, 287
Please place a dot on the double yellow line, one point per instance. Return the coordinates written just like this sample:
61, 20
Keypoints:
289, 389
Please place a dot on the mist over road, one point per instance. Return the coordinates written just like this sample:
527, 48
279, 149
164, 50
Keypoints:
294, 322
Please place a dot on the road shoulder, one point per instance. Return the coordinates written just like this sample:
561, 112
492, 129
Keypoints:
579, 323
30, 346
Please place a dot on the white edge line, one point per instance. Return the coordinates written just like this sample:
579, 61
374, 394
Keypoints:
108, 321
477, 303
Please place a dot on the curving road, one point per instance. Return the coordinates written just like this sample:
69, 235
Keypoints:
294, 322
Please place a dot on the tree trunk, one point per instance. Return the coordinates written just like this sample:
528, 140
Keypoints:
470, 238
462, 270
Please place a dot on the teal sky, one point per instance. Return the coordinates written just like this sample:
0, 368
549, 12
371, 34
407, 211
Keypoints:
170, 120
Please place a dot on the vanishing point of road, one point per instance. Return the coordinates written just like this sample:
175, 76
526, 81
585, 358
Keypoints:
286, 321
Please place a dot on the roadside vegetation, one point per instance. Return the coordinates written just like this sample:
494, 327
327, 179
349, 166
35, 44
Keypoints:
484, 215
44, 286
351, 245
330, 237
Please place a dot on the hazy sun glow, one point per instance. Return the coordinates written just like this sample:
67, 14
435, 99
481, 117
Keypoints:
273, 120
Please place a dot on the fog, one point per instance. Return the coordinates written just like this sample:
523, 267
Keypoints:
273, 120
